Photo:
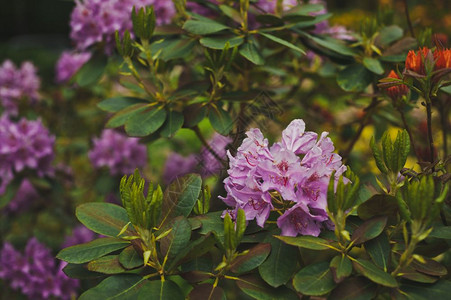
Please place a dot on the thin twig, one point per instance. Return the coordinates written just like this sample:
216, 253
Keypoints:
429, 123
409, 23
406, 126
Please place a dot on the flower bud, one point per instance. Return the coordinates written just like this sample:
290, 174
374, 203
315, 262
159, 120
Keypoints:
442, 59
396, 92
415, 61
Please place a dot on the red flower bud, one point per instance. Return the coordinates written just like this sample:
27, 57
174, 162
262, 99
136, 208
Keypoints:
396, 92
442, 59
415, 61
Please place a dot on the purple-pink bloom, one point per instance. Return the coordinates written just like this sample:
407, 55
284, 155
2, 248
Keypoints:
269, 6
24, 196
96, 21
69, 63
80, 235
17, 83
178, 165
35, 273
119, 153
24, 145
293, 173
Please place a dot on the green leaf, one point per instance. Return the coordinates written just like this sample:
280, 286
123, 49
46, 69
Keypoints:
442, 232
220, 120
103, 218
122, 116
438, 290
212, 222
282, 42
354, 78
356, 288
10, 192
123, 287
91, 72
378, 156
195, 249
378, 205
251, 53
373, 65
254, 258
79, 271
411, 274
203, 27
82, 253
193, 114
231, 13
145, 122
116, 104
180, 196
280, 264
305, 241
162, 290
253, 286
130, 259
174, 122
177, 240
429, 267
314, 280
379, 250
389, 34
341, 267
332, 44
373, 273
168, 49
219, 42
207, 291
108, 264
369, 230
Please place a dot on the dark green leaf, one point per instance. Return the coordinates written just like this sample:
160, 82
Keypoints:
121, 117
162, 290
193, 114
258, 289
332, 44
180, 197
305, 241
369, 229
82, 253
378, 205
354, 78
341, 267
373, 273
170, 48
174, 122
443, 232
282, 42
356, 288
411, 274
438, 290
220, 120
430, 267
219, 42
130, 259
314, 280
280, 264
145, 122
79, 271
379, 250
177, 240
254, 258
91, 72
103, 218
116, 104
251, 53
389, 34
195, 249
123, 287
207, 291
203, 27
108, 264
373, 65
231, 13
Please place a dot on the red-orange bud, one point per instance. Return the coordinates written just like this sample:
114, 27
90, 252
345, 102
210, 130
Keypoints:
415, 61
442, 59
396, 92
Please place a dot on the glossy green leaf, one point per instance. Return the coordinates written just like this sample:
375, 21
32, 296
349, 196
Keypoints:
103, 218
195, 249
203, 27
82, 253
108, 264
314, 280
180, 197
79, 271
280, 264
369, 230
219, 42
123, 287
282, 42
389, 34
122, 116
333, 44
174, 122
177, 240
354, 78
116, 104
162, 290
378, 205
430, 267
251, 53
356, 288
220, 120
379, 251
130, 259
254, 258
305, 241
91, 72
341, 267
373, 273
441, 232
411, 274
438, 290
258, 289
145, 122
170, 48
373, 65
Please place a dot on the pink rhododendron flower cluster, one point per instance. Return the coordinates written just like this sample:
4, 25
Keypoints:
95, 21
291, 176
69, 63
17, 83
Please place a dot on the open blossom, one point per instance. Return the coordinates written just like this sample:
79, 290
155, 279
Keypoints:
24, 145
35, 273
415, 60
96, 21
294, 172
119, 153
17, 83
69, 63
